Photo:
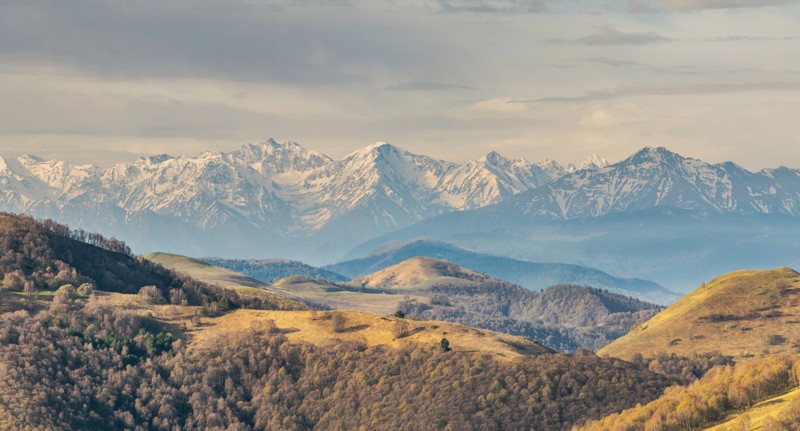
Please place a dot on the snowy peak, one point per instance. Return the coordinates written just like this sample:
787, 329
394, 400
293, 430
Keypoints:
494, 158
594, 162
275, 157
649, 155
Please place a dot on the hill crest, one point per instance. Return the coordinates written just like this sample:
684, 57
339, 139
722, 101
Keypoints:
417, 270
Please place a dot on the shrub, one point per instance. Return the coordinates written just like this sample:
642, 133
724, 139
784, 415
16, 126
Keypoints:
151, 295
65, 294
339, 322
86, 289
400, 329
177, 297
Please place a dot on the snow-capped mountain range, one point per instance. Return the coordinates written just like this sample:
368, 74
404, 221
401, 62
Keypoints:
280, 199
273, 192
656, 177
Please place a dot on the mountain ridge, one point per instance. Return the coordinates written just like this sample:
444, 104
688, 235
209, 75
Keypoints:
274, 192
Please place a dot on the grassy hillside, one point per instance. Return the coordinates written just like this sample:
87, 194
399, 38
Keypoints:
370, 329
741, 314
320, 328
415, 271
203, 271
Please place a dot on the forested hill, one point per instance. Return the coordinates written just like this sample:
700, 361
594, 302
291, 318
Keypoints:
45, 255
563, 317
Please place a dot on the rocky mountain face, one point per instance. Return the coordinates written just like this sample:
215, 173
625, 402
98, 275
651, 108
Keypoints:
266, 195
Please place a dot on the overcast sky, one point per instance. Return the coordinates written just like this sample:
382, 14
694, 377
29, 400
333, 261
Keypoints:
105, 81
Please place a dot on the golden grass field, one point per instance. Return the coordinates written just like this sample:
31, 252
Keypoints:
741, 314
771, 408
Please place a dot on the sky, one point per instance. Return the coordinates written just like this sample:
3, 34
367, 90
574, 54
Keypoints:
105, 81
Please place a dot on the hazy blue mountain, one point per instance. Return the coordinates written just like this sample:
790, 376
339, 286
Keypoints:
676, 248
534, 276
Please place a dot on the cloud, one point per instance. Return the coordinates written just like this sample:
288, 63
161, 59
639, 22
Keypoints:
311, 43
427, 86
509, 104
488, 6
740, 38
500, 105
610, 36
696, 5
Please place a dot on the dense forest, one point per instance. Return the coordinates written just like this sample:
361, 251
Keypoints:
563, 317
270, 270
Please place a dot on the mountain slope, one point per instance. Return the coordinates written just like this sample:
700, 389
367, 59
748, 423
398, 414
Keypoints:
535, 276
741, 314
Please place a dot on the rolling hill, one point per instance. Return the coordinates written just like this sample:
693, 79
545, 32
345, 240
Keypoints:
412, 272
742, 314
534, 276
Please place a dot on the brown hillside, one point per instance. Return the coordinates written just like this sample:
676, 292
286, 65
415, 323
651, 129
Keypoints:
741, 314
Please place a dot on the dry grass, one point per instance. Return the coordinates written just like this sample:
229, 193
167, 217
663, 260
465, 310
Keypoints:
317, 327
371, 329
741, 314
